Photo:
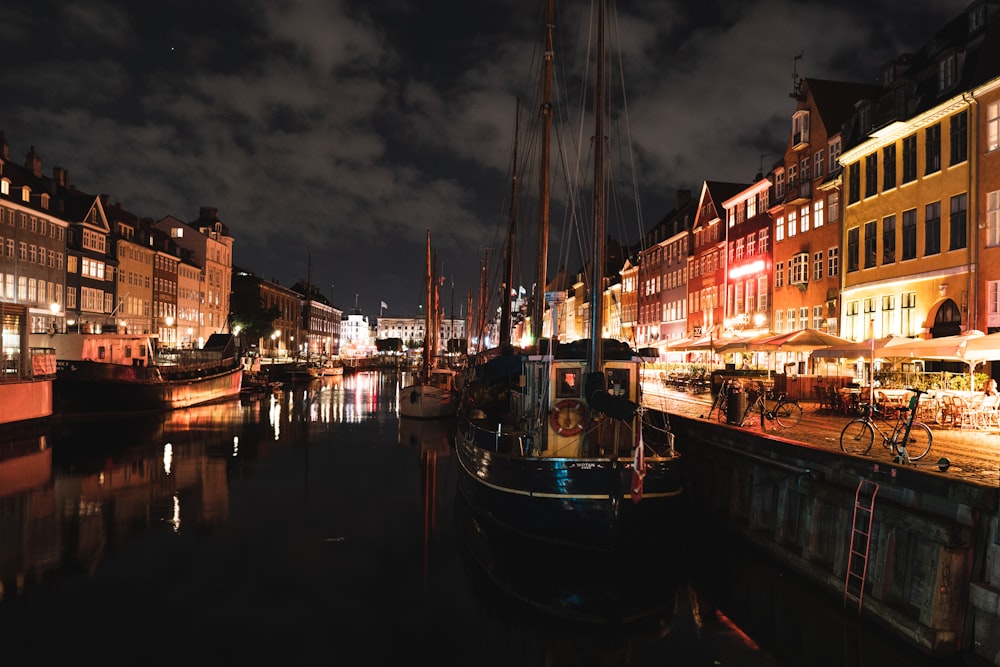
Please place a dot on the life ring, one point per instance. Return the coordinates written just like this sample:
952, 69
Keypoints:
568, 417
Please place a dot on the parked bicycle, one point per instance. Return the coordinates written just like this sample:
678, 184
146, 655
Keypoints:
780, 409
909, 440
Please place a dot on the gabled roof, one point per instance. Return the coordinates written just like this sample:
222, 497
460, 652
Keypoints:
835, 100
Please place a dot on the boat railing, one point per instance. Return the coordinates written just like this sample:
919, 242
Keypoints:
500, 441
194, 359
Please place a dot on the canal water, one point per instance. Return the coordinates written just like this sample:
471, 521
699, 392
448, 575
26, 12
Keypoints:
313, 526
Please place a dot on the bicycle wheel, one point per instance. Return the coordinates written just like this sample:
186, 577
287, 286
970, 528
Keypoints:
857, 437
721, 406
787, 414
919, 442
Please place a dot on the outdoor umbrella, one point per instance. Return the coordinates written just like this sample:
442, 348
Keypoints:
945, 348
741, 343
803, 340
861, 348
983, 348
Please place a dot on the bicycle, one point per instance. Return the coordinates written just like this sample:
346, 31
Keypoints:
909, 441
785, 412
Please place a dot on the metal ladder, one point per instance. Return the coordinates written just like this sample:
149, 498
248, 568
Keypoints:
861, 533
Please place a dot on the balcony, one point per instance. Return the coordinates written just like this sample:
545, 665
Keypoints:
800, 141
798, 192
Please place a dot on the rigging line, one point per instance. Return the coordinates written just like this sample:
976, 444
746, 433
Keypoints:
628, 123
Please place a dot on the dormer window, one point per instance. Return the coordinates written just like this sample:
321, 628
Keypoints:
44, 201
977, 18
800, 128
947, 72
5, 186
25, 193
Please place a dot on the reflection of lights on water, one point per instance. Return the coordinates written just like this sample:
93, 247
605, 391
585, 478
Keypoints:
175, 518
236, 445
100, 478
274, 415
168, 457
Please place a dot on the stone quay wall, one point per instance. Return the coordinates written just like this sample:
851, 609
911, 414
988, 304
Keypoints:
933, 566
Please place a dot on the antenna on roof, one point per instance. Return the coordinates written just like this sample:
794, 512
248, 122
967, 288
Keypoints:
796, 93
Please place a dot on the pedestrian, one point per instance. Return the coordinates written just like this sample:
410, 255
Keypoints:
991, 388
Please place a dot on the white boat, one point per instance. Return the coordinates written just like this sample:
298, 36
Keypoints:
432, 394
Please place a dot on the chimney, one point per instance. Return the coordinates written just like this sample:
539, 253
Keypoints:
59, 176
33, 161
4, 152
208, 214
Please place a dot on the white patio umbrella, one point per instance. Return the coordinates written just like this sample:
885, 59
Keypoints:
945, 348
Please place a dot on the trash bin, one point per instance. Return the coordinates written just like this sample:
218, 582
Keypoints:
736, 404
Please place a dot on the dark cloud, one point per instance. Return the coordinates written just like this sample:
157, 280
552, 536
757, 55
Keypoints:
331, 135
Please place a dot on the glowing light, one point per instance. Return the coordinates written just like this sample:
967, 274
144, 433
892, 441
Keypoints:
168, 457
752, 267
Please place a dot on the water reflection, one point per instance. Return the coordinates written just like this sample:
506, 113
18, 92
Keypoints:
315, 510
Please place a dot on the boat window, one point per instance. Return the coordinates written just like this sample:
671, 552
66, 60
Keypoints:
618, 382
128, 351
101, 352
567, 383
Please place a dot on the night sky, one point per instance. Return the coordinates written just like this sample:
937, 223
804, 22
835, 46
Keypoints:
331, 135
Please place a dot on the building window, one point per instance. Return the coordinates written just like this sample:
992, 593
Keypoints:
909, 250
888, 239
833, 262
957, 223
817, 319
762, 303
871, 175
947, 72
993, 126
992, 301
818, 213
932, 228
889, 167
871, 244
853, 247
779, 229
959, 137
993, 218
833, 206
793, 224
834, 146
779, 274
818, 265
779, 183
908, 313
853, 183
910, 158
818, 164
888, 313
762, 241
800, 128
932, 149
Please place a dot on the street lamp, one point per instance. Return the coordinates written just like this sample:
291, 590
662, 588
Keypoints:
54, 309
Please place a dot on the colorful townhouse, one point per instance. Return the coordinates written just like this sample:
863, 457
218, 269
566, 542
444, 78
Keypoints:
914, 201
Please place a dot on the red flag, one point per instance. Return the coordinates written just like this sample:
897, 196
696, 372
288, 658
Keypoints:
638, 469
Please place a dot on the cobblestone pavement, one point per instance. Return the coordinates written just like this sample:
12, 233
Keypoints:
974, 454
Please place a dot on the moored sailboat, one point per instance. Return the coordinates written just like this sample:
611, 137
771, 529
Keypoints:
553, 442
432, 393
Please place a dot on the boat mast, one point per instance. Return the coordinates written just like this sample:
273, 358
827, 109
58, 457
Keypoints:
428, 305
597, 269
508, 281
538, 305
